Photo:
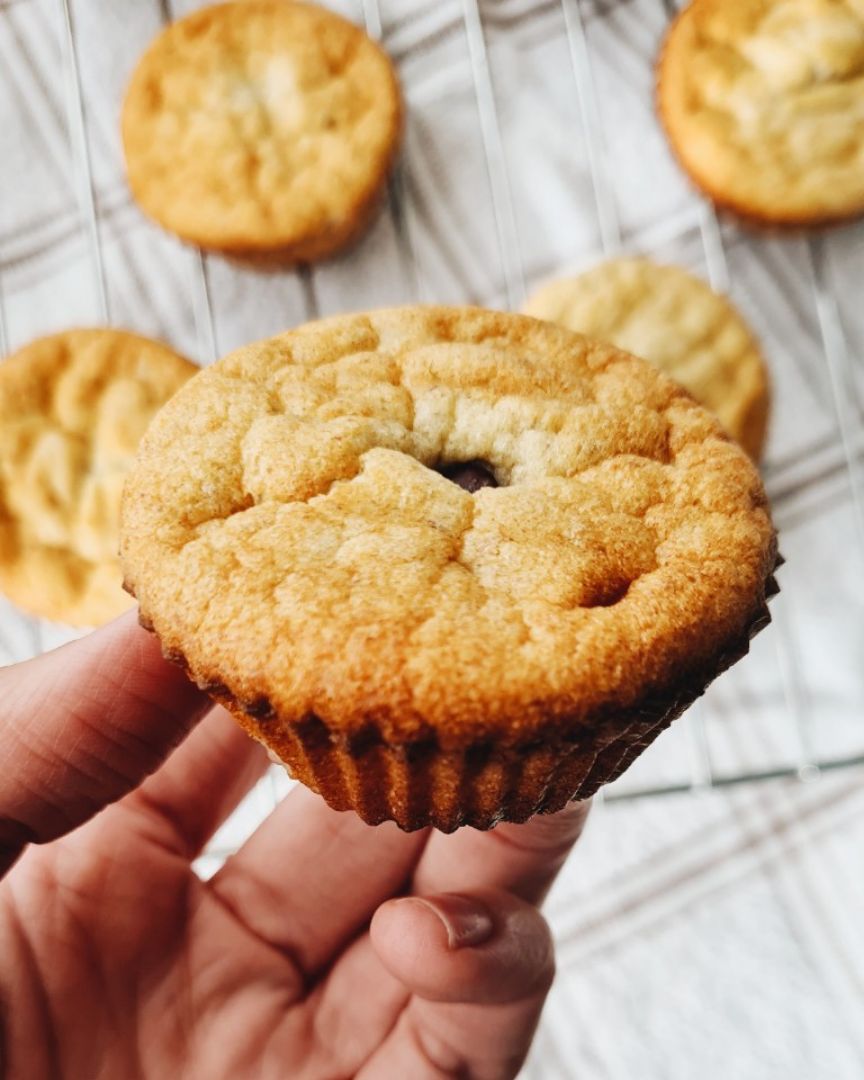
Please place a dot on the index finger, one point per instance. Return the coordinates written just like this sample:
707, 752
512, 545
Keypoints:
521, 859
82, 725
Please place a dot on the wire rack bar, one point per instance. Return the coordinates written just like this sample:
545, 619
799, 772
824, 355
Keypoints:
716, 262
306, 278
496, 161
795, 696
372, 19
837, 361
784, 772
397, 188
580, 61
4, 331
205, 320
397, 184
701, 764
86, 193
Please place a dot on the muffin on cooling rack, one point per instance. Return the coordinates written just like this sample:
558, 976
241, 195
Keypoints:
262, 128
451, 566
763, 103
73, 407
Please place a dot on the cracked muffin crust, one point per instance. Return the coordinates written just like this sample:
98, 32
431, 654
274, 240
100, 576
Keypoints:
266, 127
449, 565
763, 102
73, 407
679, 323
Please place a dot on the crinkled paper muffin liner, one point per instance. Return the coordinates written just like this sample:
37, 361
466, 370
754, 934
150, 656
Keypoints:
421, 784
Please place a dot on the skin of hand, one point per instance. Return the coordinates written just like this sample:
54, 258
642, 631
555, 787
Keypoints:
323, 948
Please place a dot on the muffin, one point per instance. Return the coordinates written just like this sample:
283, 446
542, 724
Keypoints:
451, 566
73, 407
676, 321
763, 103
262, 129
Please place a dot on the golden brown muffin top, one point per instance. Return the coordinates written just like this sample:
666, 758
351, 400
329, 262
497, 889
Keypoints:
73, 407
764, 104
261, 126
288, 532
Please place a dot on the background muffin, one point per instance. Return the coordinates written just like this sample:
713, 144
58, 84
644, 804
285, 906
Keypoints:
676, 321
73, 407
763, 103
262, 127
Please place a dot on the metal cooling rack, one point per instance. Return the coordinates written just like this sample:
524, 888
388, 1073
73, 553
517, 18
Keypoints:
702, 773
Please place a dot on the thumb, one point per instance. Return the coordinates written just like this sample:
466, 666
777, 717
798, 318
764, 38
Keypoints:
81, 726
478, 967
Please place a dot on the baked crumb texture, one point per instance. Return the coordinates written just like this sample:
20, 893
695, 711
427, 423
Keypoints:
763, 103
73, 407
679, 323
412, 650
262, 128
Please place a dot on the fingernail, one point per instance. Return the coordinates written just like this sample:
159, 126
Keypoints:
466, 920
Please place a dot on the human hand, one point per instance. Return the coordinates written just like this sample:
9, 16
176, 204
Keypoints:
322, 948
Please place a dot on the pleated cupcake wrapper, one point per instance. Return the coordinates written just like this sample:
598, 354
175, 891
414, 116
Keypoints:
421, 784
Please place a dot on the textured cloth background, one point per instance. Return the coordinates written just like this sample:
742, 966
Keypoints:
713, 934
